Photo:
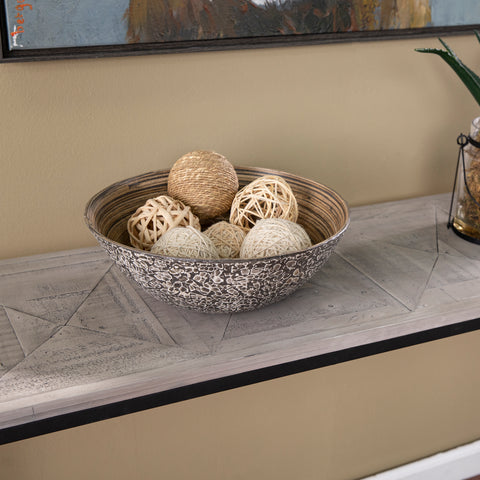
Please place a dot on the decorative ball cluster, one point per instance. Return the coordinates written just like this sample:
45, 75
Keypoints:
157, 216
203, 186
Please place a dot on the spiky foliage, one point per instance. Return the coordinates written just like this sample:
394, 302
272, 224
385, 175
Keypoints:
468, 213
470, 79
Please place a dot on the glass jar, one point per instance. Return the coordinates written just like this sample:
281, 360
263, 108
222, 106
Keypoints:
466, 197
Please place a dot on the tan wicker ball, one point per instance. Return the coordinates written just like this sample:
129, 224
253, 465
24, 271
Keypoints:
157, 216
274, 236
227, 238
204, 180
185, 242
269, 196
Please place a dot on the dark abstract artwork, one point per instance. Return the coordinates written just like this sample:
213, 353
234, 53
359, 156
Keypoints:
47, 24
151, 20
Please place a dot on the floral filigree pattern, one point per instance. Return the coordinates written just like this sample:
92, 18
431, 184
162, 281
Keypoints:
224, 286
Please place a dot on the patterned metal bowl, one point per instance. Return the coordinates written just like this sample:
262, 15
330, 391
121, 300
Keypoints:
217, 286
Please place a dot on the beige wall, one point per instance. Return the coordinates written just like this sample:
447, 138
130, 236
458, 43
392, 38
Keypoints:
374, 120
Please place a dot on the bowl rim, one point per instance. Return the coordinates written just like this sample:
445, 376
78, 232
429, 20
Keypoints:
267, 171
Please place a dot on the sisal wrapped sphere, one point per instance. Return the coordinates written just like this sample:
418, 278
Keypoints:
227, 238
157, 216
274, 236
269, 196
185, 242
204, 180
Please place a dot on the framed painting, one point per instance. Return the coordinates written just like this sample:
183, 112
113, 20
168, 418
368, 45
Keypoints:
50, 29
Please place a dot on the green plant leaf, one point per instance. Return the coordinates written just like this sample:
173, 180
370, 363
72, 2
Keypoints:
469, 78
453, 54
448, 49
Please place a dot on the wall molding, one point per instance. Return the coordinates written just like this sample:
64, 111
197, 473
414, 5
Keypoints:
460, 463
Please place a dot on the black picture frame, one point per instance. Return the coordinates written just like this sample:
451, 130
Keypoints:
131, 49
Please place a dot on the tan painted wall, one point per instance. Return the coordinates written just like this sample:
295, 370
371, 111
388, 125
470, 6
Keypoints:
374, 120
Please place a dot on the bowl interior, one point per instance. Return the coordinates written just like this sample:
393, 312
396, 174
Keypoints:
322, 212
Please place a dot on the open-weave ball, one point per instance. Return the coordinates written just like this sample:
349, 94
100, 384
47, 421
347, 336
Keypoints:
227, 238
185, 242
274, 236
204, 180
269, 196
157, 216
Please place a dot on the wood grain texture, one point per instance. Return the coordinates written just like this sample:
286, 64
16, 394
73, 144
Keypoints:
75, 333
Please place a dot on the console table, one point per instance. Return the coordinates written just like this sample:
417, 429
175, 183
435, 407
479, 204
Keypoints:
80, 343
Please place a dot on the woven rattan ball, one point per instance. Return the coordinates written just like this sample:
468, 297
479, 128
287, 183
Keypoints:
157, 216
227, 238
274, 236
185, 242
269, 196
206, 181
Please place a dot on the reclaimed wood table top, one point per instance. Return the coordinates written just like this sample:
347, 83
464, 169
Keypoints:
77, 336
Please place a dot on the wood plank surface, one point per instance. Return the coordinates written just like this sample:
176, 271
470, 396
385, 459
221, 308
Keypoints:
76, 333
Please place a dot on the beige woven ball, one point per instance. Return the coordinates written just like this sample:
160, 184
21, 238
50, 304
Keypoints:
227, 238
269, 196
185, 242
204, 180
157, 216
274, 236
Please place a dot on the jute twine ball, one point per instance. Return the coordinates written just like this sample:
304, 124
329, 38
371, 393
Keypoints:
269, 196
185, 242
157, 216
274, 236
227, 238
204, 180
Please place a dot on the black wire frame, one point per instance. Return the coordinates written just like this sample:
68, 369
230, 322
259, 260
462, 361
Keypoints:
24, 55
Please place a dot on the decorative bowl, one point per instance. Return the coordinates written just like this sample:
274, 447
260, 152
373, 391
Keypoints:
217, 286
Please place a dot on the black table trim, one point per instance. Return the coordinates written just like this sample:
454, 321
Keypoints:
104, 412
